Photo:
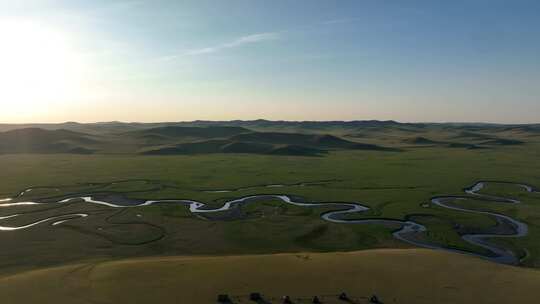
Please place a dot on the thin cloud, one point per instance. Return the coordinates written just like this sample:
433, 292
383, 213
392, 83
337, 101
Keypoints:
338, 21
241, 41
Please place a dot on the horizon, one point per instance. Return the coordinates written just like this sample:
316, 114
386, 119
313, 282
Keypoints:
268, 120
153, 61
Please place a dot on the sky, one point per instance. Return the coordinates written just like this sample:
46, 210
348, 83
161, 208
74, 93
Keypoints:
149, 61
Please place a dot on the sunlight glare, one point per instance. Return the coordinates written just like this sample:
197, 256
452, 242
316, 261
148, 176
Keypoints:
38, 68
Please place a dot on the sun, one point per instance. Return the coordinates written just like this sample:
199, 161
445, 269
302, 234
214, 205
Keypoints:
38, 68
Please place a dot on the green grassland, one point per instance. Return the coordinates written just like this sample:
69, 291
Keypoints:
392, 168
395, 276
394, 185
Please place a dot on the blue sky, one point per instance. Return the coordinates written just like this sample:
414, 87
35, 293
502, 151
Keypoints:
474, 60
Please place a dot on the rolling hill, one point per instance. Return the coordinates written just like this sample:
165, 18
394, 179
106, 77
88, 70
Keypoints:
227, 146
472, 141
276, 143
35, 140
256, 137
177, 132
420, 140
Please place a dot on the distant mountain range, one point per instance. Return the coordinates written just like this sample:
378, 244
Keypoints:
116, 126
308, 138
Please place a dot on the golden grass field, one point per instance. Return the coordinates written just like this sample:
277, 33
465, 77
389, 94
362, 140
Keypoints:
395, 275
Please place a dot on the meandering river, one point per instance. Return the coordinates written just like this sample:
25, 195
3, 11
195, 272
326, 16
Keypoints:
408, 231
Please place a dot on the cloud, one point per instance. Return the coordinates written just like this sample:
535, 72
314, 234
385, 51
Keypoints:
338, 21
238, 42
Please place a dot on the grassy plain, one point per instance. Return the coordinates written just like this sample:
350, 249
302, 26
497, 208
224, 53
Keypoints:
395, 276
394, 185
